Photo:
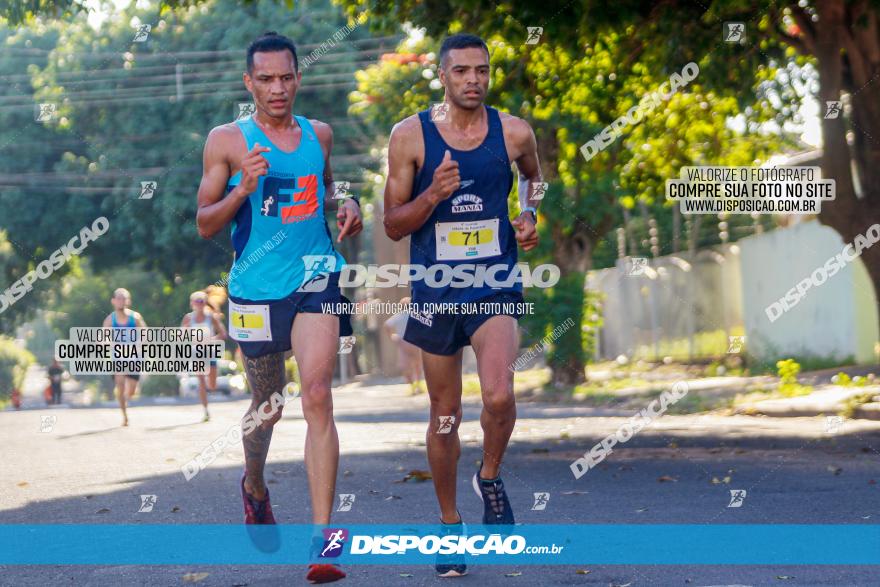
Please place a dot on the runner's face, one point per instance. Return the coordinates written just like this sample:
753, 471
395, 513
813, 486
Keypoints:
465, 76
198, 306
273, 83
119, 302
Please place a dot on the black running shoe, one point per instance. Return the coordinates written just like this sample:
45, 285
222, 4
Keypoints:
451, 565
496, 506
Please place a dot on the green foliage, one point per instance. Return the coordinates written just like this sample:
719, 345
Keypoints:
160, 385
120, 121
844, 380
852, 404
788, 370
14, 363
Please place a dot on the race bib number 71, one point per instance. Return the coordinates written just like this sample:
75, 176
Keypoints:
457, 241
249, 323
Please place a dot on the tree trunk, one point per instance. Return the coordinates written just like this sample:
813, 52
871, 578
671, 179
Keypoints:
573, 255
848, 57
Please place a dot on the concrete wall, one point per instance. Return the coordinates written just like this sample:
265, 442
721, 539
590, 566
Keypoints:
730, 287
835, 319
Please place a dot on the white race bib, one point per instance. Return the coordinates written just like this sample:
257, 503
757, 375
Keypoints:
249, 323
460, 241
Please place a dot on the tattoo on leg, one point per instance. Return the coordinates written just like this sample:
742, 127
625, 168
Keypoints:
266, 376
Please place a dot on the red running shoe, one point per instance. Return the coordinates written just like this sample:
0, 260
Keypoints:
256, 511
324, 573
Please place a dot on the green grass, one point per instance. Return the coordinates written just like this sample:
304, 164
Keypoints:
713, 343
852, 404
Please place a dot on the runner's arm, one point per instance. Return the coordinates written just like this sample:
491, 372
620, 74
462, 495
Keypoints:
348, 214
219, 329
528, 165
529, 168
404, 216
215, 211
139, 320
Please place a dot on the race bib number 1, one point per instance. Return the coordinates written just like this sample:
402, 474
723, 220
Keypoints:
249, 323
457, 241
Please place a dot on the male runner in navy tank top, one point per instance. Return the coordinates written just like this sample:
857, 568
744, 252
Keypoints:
447, 188
266, 175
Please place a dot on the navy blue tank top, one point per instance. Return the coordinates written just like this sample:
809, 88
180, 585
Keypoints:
469, 232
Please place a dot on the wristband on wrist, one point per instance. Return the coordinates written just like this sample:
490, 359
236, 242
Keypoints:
533, 210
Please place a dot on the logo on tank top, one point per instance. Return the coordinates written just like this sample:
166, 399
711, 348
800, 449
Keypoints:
292, 199
467, 203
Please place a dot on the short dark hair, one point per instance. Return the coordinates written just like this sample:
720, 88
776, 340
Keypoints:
461, 41
268, 42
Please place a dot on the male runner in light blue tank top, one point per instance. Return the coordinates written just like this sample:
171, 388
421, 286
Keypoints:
267, 176
468, 155
124, 317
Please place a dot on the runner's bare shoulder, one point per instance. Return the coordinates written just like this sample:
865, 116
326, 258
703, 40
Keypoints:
514, 126
407, 137
227, 141
323, 131
517, 134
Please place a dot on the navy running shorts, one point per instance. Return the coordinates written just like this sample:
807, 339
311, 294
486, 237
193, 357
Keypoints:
449, 332
281, 314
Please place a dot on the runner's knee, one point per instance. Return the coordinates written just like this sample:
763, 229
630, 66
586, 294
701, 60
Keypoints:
317, 402
499, 399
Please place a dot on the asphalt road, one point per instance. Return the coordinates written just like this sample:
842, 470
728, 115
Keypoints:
86, 469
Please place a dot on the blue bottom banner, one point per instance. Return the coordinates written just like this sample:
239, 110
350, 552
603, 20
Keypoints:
625, 544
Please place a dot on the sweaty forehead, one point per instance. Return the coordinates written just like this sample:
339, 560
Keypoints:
273, 63
468, 57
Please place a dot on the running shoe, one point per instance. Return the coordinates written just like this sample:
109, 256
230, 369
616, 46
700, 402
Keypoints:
451, 565
324, 573
496, 506
256, 511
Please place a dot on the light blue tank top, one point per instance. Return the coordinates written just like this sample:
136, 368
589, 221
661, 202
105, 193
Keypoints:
279, 233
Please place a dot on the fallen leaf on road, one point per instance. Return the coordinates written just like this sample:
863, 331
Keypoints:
784, 577
672, 445
717, 481
663, 479
390, 497
575, 492
565, 436
582, 572
347, 474
23, 484
102, 511
640, 510
195, 577
416, 475
515, 574
175, 509
170, 460
835, 470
